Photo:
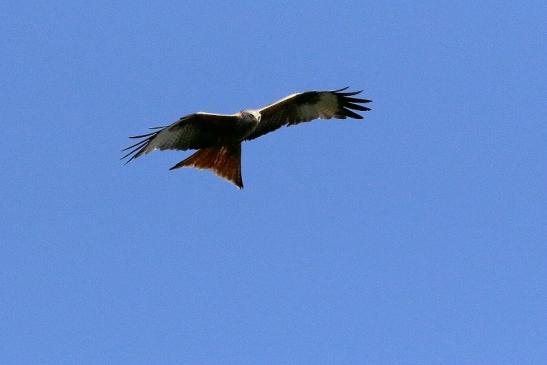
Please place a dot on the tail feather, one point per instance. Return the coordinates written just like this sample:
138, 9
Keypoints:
225, 161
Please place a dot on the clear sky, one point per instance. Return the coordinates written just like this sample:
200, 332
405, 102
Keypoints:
415, 236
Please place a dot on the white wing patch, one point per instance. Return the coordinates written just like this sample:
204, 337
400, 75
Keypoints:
165, 140
325, 108
169, 139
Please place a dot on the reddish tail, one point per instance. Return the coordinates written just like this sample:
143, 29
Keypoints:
225, 161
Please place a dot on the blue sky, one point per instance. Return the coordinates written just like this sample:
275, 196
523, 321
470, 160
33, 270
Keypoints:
417, 236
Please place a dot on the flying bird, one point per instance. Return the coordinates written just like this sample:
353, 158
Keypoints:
218, 137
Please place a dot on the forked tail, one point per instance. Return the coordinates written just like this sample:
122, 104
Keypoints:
225, 161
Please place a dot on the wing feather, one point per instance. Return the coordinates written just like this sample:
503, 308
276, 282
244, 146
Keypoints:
307, 106
194, 131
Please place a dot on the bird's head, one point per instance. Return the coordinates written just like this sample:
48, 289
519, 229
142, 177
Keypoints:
251, 115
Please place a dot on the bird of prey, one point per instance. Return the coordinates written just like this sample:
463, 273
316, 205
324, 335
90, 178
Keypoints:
218, 137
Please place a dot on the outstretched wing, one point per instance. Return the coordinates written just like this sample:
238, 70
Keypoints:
194, 131
307, 106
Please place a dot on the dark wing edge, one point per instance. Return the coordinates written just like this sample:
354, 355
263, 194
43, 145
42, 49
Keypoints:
139, 148
347, 103
287, 111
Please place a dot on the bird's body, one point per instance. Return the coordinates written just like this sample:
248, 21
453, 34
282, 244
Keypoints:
246, 123
218, 137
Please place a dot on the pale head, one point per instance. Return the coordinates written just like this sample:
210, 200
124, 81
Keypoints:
251, 115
